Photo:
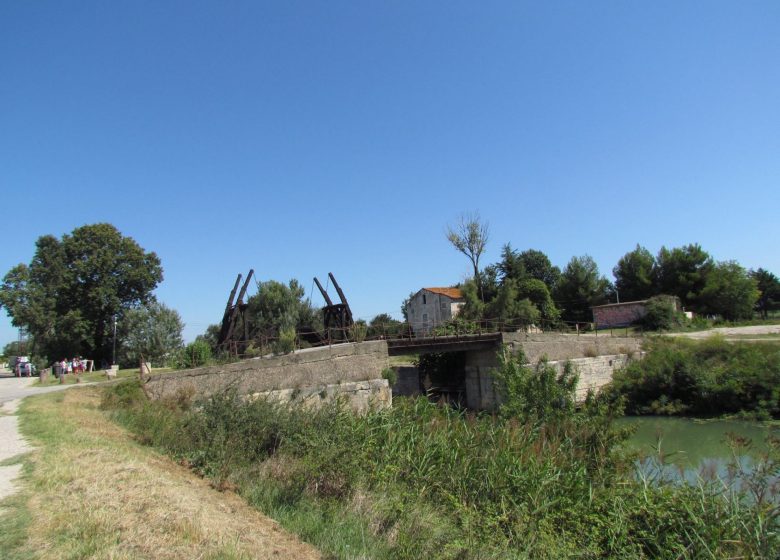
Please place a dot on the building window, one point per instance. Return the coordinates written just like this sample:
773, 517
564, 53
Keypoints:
425, 302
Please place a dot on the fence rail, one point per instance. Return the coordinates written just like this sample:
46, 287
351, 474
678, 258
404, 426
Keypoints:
452, 330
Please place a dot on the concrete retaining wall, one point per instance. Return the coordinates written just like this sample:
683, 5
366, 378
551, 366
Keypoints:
328, 370
570, 347
596, 358
360, 396
594, 372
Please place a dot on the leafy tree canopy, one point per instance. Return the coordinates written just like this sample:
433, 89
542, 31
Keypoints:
769, 291
508, 305
682, 272
151, 332
729, 292
470, 235
580, 287
278, 307
67, 296
635, 275
530, 263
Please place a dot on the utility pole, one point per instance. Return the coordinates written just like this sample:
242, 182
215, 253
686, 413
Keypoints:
113, 356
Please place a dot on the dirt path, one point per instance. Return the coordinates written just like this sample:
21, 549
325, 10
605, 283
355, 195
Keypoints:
91, 491
733, 331
11, 445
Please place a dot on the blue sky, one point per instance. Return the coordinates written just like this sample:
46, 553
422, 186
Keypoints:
298, 138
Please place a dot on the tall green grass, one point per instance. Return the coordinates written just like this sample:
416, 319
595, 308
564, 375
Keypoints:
420, 480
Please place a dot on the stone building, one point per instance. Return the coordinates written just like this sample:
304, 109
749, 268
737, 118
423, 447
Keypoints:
431, 307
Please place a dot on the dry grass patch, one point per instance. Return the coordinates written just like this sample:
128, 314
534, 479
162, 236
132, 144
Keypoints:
92, 492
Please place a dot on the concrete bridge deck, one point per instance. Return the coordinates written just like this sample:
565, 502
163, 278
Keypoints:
451, 343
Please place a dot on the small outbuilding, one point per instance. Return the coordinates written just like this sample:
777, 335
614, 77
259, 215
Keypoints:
624, 314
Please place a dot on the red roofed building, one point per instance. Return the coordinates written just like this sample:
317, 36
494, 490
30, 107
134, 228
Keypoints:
431, 307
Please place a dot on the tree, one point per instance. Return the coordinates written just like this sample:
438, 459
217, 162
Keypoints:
769, 291
729, 292
538, 293
470, 235
473, 306
68, 296
151, 332
383, 325
580, 288
538, 266
509, 306
682, 272
511, 265
405, 306
277, 308
635, 275
211, 337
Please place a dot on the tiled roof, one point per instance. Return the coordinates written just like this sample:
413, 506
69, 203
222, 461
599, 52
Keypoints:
453, 293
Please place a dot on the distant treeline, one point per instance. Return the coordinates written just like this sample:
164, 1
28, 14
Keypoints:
526, 286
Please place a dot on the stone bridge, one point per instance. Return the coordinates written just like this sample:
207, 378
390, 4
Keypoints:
354, 371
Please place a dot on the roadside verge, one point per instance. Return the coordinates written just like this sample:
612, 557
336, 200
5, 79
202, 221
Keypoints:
90, 491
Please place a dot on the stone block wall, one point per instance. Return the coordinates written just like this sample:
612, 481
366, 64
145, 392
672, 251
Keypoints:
596, 358
594, 372
360, 396
568, 346
329, 370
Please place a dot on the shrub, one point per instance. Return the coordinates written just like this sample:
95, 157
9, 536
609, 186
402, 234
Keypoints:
286, 342
537, 395
662, 314
391, 375
710, 377
195, 354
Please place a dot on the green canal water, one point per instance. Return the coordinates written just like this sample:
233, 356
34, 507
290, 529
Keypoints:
692, 449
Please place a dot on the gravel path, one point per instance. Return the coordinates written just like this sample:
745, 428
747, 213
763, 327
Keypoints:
733, 331
12, 391
11, 442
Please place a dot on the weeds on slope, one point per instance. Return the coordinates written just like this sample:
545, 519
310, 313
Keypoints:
423, 480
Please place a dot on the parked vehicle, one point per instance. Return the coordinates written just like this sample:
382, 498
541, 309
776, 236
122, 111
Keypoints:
22, 366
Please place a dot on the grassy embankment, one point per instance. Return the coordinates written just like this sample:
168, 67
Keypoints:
710, 377
90, 491
419, 480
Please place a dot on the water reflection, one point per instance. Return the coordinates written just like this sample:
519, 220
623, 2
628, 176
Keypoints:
727, 454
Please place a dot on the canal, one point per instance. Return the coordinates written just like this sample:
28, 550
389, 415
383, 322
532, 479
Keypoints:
693, 449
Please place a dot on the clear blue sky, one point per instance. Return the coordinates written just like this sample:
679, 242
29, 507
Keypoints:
298, 138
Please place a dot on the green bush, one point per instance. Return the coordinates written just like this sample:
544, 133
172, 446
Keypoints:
535, 394
662, 315
705, 378
195, 354
391, 375
286, 342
